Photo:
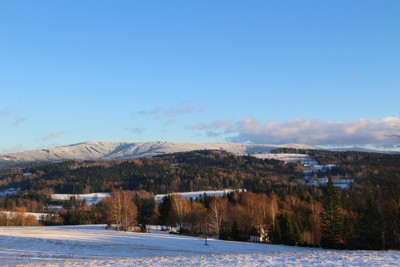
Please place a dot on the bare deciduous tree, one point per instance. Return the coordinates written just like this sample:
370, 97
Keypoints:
180, 209
197, 217
274, 209
18, 217
216, 214
122, 210
316, 209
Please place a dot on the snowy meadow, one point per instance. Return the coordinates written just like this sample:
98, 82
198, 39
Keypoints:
94, 246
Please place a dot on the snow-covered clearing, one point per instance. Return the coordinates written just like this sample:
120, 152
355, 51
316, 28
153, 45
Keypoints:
218, 193
94, 246
91, 199
95, 198
34, 214
286, 157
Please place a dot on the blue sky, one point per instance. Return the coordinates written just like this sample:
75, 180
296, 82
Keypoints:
315, 72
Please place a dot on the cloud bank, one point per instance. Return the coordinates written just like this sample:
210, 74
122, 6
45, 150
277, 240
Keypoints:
318, 132
16, 148
376, 132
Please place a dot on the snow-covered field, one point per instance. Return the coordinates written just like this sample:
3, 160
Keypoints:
218, 193
95, 198
91, 199
35, 214
286, 157
94, 246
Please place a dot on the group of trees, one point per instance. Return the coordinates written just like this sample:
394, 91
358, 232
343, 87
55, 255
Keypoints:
319, 220
121, 209
181, 172
17, 217
238, 216
277, 204
330, 218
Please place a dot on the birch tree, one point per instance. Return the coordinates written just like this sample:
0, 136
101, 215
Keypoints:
217, 212
122, 210
274, 209
180, 208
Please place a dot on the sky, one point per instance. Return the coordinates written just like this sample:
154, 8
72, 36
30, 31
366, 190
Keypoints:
323, 73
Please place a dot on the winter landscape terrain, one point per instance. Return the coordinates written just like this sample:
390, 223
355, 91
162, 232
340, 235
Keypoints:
92, 245
95, 198
125, 150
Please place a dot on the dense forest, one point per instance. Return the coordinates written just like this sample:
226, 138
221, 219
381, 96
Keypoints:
278, 206
191, 171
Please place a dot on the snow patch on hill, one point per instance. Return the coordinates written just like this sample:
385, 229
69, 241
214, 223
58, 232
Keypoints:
195, 194
91, 199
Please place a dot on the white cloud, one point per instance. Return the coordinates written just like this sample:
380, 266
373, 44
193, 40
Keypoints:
362, 132
5, 112
52, 135
214, 134
17, 148
135, 130
317, 132
19, 121
169, 122
215, 125
170, 112
12, 116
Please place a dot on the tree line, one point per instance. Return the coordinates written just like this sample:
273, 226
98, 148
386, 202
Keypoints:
180, 172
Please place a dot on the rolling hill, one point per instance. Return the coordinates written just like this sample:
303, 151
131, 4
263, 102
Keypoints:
127, 150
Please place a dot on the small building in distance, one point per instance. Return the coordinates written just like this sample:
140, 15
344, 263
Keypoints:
10, 192
343, 183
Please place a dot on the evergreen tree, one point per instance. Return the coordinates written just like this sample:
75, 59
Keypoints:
287, 232
371, 226
331, 218
164, 210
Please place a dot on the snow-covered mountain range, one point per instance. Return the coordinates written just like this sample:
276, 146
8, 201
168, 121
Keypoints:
127, 150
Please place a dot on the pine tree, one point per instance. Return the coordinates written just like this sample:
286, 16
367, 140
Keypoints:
331, 218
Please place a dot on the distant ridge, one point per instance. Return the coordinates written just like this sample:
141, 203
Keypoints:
100, 150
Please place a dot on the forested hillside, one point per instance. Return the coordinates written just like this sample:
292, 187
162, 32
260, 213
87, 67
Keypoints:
189, 171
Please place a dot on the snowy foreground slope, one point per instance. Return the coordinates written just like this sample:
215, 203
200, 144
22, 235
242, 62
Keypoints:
94, 246
126, 150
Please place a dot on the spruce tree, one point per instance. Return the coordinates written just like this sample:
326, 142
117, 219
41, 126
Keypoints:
164, 210
331, 218
371, 226
288, 235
